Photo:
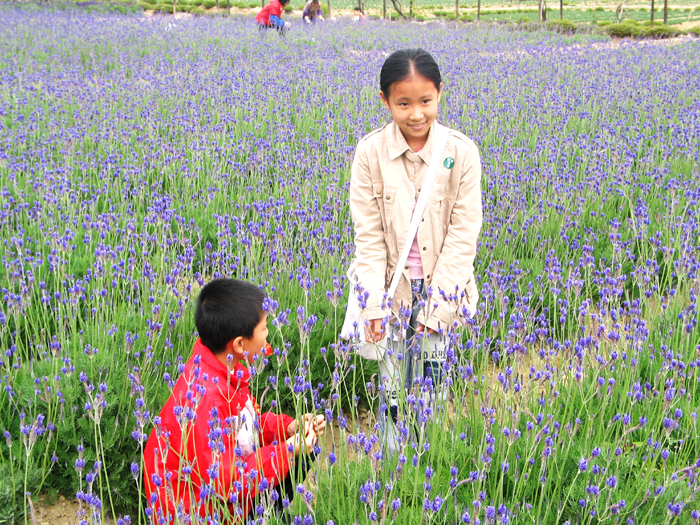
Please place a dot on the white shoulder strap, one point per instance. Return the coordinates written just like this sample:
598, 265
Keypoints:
427, 188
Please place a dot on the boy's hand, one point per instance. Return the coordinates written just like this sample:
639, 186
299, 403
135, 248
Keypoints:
298, 441
314, 427
293, 427
315, 424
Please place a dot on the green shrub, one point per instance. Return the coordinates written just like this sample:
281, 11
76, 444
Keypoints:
623, 30
419, 18
562, 26
600, 8
466, 18
163, 8
151, 2
288, 8
440, 14
642, 10
198, 12
694, 31
208, 4
183, 8
254, 5
660, 31
603, 23
522, 20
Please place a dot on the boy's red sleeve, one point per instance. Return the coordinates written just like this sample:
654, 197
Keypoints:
273, 427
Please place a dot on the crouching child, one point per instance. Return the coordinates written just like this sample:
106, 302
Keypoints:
211, 453
270, 16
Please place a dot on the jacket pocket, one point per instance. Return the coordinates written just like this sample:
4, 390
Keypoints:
441, 209
386, 197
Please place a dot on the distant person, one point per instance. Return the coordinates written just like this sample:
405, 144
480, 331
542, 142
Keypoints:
359, 15
270, 16
312, 11
211, 451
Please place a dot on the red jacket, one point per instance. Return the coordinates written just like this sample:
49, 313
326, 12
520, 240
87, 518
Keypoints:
274, 8
212, 441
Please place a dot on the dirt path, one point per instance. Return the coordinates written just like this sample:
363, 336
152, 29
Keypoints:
61, 512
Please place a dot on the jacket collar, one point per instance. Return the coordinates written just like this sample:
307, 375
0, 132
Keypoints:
398, 146
239, 372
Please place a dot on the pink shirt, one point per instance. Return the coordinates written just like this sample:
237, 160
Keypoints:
415, 266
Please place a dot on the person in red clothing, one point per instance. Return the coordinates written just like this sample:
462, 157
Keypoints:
211, 452
271, 15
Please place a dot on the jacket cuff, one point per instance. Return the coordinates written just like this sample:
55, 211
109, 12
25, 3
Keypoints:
440, 319
285, 420
369, 314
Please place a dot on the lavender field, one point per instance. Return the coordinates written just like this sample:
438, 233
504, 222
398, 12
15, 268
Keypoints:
141, 158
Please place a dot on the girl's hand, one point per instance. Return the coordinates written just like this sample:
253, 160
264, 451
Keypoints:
421, 328
374, 332
292, 428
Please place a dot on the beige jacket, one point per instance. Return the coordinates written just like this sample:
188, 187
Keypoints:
386, 180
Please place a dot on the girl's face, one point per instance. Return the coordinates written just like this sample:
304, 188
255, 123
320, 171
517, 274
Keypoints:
413, 103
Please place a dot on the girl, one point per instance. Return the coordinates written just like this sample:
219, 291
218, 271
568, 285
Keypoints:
271, 15
387, 174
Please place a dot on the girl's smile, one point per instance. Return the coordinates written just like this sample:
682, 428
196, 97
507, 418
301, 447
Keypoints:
413, 103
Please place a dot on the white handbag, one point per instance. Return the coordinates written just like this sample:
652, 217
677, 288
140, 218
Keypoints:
353, 328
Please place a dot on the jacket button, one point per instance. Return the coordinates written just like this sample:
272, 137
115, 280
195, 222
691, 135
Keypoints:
388, 198
406, 267
424, 248
427, 276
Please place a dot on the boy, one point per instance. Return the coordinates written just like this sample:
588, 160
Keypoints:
359, 15
210, 451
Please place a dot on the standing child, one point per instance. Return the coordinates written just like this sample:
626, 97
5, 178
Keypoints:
211, 452
387, 174
271, 15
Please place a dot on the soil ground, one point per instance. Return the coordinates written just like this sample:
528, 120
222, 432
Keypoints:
62, 511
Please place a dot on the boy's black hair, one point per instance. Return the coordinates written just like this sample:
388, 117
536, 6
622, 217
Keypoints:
226, 309
358, 8
284, 2
407, 62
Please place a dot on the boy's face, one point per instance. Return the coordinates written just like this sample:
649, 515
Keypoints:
255, 346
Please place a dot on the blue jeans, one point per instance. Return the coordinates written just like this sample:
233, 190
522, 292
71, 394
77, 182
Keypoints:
431, 361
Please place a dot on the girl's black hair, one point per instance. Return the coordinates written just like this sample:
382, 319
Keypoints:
405, 63
226, 309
